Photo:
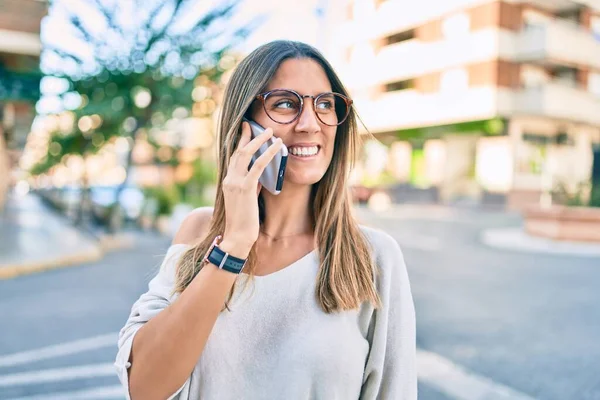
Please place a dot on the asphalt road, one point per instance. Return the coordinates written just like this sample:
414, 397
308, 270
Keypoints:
521, 321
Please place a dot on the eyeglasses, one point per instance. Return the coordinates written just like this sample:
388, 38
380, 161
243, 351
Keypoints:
284, 106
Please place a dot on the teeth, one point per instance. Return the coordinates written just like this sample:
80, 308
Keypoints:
304, 151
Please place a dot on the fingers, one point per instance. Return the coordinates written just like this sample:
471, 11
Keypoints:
258, 188
245, 153
245, 137
261, 162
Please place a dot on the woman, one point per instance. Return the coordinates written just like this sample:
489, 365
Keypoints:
329, 314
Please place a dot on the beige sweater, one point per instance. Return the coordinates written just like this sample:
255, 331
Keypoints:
277, 343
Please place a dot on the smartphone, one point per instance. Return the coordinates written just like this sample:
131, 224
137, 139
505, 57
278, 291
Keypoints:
272, 176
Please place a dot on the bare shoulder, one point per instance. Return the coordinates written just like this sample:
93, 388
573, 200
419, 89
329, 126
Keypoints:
193, 226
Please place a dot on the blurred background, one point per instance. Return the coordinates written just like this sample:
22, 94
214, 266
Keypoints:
481, 156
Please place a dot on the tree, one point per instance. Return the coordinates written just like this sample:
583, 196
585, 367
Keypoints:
139, 73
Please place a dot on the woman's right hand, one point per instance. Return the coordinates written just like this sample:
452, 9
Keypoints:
241, 187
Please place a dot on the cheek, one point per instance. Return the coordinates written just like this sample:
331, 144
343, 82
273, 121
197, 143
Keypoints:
330, 143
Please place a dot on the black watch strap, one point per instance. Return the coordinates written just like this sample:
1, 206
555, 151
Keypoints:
225, 261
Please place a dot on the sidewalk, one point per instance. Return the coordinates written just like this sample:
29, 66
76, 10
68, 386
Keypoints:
499, 236
34, 238
516, 239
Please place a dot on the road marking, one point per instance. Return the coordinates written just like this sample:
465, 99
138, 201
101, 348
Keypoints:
98, 393
63, 349
58, 374
433, 369
460, 383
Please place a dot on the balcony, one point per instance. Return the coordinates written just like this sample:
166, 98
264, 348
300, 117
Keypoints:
414, 58
20, 26
396, 15
409, 108
559, 43
22, 15
559, 101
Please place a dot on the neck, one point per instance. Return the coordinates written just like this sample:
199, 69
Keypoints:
287, 213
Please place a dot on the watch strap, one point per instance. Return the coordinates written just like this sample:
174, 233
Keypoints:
224, 260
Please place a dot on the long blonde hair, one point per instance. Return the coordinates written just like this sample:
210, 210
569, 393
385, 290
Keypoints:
347, 271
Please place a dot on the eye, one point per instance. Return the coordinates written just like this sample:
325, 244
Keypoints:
325, 105
285, 104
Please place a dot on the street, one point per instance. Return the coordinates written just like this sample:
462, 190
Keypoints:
522, 322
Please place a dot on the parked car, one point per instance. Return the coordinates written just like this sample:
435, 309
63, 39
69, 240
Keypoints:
102, 198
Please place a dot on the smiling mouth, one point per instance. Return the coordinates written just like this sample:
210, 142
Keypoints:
304, 152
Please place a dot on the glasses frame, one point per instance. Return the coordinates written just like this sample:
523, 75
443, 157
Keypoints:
263, 96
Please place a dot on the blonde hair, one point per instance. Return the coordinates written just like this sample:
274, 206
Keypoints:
347, 271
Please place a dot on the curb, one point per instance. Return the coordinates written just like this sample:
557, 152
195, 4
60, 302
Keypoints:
9, 271
106, 244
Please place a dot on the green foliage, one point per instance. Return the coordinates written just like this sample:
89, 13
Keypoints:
166, 198
490, 127
205, 173
193, 191
385, 178
595, 195
19, 86
145, 59
578, 197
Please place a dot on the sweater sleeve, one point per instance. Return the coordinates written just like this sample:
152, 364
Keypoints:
390, 370
156, 299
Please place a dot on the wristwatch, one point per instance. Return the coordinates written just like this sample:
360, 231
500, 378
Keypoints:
222, 259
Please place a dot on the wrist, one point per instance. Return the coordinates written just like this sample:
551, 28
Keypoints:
235, 248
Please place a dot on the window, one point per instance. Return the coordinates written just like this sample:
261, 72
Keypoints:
565, 75
400, 85
571, 17
399, 37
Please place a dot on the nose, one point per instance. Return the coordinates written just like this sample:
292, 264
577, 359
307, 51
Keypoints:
307, 121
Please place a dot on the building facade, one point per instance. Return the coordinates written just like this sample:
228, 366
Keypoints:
477, 97
20, 48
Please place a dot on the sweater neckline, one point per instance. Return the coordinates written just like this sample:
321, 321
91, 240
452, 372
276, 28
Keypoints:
283, 271
289, 268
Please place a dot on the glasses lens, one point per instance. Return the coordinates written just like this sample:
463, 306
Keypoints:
282, 106
331, 108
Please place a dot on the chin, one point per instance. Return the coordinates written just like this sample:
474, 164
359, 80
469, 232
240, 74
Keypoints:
304, 179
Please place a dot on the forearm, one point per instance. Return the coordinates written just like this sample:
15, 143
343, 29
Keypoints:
166, 349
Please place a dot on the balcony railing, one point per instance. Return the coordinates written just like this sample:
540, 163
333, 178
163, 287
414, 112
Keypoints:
409, 108
559, 43
559, 101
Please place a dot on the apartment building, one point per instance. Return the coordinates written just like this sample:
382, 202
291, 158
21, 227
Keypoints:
476, 96
20, 48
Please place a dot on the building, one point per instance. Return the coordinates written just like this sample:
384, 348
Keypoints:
476, 97
20, 48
